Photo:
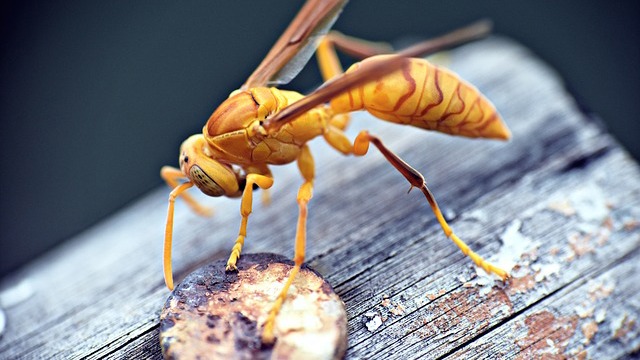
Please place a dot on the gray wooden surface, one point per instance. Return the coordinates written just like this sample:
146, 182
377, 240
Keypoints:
560, 202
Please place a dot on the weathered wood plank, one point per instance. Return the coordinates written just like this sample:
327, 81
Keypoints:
594, 317
100, 294
439, 313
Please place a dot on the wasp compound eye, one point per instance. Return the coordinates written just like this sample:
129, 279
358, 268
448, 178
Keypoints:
204, 182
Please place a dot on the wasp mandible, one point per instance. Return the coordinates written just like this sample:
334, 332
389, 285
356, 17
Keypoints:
260, 125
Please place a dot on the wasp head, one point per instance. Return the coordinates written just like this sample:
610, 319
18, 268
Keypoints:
210, 175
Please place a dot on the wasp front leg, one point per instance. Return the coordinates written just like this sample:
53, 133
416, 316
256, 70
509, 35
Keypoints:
168, 233
246, 205
171, 176
307, 168
361, 145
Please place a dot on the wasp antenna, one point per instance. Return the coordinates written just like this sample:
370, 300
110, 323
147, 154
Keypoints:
475, 31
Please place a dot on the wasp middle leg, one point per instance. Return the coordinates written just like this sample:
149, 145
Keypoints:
307, 168
246, 205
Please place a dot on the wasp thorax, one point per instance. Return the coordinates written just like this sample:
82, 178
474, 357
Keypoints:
240, 110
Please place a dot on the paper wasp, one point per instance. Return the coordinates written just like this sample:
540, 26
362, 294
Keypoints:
259, 125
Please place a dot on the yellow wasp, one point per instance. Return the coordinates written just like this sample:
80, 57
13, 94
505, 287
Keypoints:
259, 125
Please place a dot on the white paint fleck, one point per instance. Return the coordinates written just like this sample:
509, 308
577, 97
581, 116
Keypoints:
398, 310
484, 282
483, 278
618, 325
590, 203
514, 245
477, 214
545, 271
601, 290
374, 323
587, 227
419, 301
503, 310
601, 315
584, 310
550, 343
552, 347
370, 314
562, 207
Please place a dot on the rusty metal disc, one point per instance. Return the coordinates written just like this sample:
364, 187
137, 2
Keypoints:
215, 314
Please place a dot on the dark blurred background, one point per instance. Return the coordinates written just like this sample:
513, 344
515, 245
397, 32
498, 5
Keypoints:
97, 96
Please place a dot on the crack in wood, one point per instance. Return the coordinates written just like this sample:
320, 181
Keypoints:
126, 340
582, 161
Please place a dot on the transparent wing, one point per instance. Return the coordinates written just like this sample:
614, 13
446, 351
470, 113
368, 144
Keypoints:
297, 44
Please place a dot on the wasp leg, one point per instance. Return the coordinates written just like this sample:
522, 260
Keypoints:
265, 197
264, 182
330, 67
361, 145
171, 176
168, 233
338, 140
307, 168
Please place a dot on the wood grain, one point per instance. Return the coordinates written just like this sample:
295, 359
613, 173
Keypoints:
561, 200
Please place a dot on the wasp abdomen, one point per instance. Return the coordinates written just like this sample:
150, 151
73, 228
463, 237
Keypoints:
426, 96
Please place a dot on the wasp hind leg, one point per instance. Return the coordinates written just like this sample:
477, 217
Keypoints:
307, 168
246, 205
361, 145
330, 67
